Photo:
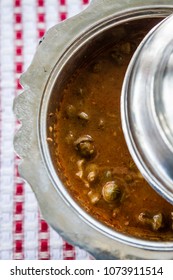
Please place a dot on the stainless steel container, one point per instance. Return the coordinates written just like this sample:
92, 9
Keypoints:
147, 108
56, 58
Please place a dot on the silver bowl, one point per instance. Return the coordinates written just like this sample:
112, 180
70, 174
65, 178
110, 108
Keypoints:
58, 55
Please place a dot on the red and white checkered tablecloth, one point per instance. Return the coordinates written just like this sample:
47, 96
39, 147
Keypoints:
24, 234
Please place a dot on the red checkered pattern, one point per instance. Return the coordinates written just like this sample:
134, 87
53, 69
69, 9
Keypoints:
24, 233
62, 9
41, 18
18, 235
43, 236
69, 252
43, 253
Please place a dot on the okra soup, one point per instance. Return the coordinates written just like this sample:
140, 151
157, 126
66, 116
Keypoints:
90, 153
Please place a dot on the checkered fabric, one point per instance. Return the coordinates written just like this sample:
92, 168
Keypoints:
24, 234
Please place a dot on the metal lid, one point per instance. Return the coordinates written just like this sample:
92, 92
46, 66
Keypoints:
147, 108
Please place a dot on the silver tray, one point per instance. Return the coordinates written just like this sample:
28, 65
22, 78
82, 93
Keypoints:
59, 45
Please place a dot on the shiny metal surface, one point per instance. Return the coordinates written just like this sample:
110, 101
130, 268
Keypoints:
62, 45
147, 114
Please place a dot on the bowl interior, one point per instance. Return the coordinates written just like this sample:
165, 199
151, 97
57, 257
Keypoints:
75, 57
83, 52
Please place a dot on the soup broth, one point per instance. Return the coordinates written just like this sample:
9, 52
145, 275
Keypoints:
90, 149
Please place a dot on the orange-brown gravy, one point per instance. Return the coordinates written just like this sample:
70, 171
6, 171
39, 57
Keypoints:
92, 154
